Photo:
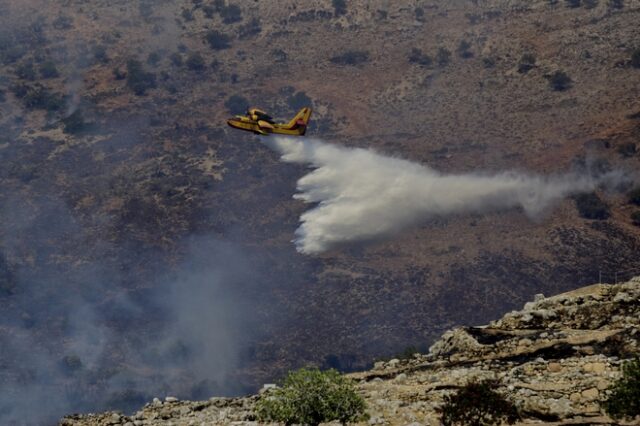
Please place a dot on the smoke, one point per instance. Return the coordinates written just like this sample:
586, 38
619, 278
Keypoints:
364, 195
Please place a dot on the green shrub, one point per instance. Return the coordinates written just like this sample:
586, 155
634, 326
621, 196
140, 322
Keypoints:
560, 81
635, 218
572, 3
351, 57
634, 196
311, 396
195, 62
635, 58
478, 404
176, 59
218, 40
49, 70
138, 79
590, 206
624, 401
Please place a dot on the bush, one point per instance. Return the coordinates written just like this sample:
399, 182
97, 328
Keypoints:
527, 63
153, 58
634, 196
187, 15
624, 401
299, 101
62, 22
218, 40
311, 396
236, 104
627, 150
100, 54
74, 123
26, 71
463, 50
138, 79
478, 404
635, 58
49, 70
250, 29
635, 218
590, 206
572, 3
443, 57
560, 81
616, 4
417, 57
39, 97
351, 57
195, 62
339, 7
590, 4
231, 14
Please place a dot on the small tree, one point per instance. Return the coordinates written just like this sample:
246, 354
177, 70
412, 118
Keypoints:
478, 404
311, 396
624, 401
635, 218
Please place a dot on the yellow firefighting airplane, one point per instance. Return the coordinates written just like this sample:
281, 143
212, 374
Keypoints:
261, 123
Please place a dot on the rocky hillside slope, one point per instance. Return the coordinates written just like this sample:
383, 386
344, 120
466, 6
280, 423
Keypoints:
555, 358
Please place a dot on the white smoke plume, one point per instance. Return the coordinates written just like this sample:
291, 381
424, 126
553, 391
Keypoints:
364, 195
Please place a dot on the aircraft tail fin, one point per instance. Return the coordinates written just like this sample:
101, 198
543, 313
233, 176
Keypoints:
300, 121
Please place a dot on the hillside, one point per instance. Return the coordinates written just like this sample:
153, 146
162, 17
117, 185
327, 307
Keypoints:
145, 247
556, 358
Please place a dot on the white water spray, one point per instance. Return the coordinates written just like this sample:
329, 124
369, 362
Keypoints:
364, 195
